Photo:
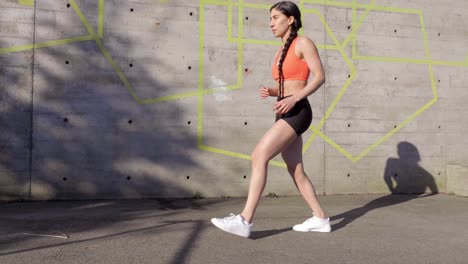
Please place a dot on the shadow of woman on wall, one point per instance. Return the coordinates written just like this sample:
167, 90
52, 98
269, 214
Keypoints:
405, 179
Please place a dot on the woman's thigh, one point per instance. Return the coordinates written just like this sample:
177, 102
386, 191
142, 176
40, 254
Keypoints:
292, 155
275, 140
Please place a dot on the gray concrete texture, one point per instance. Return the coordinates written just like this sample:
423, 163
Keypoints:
146, 99
369, 229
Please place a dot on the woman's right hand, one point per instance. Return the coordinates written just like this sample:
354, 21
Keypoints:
264, 93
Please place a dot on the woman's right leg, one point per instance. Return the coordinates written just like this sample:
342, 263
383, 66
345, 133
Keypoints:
292, 155
275, 140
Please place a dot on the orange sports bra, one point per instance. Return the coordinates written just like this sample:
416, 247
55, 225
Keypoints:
293, 67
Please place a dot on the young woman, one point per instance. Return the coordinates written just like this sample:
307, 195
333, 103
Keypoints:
292, 65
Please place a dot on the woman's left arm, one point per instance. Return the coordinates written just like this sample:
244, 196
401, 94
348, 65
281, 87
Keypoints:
309, 53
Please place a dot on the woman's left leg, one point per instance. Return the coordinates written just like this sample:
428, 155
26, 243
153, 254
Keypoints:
275, 140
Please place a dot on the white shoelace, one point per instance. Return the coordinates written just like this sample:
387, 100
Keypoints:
229, 219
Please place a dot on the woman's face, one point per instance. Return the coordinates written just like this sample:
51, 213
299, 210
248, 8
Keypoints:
279, 23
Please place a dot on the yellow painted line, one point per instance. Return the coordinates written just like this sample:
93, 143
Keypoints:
200, 74
428, 55
237, 155
241, 4
255, 41
116, 69
393, 131
272, 42
229, 21
188, 94
101, 19
104, 51
240, 46
168, 97
357, 25
330, 109
26, 2
332, 143
409, 60
345, 86
353, 25
363, 6
45, 44
82, 17
378, 142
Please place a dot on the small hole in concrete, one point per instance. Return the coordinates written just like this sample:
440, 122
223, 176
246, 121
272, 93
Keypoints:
395, 126
245, 176
131, 9
395, 175
129, 178
189, 67
65, 120
438, 34
396, 78
245, 123
131, 65
188, 177
130, 121
395, 31
191, 13
68, 5
189, 122
64, 179
349, 75
349, 175
438, 126
246, 69
349, 124
349, 27
67, 62
246, 18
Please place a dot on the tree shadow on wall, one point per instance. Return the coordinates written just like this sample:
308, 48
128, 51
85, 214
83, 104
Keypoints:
405, 179
71, 129
91, 138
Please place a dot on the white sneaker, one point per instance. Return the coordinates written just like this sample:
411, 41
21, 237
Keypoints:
314, 224
233, 224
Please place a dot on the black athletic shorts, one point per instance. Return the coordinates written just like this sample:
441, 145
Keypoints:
299, 117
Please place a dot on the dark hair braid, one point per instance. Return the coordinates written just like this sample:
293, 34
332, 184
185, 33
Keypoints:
286, 46
288, 9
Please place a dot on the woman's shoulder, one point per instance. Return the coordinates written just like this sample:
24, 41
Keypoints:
304, 41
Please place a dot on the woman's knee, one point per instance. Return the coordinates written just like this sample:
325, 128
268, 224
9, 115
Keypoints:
258, 156
297, 173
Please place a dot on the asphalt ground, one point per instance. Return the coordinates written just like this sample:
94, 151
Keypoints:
365, 229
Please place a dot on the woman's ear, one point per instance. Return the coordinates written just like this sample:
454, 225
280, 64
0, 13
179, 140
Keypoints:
291, 20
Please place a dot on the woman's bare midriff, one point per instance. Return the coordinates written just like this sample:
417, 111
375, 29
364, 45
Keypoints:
293, 86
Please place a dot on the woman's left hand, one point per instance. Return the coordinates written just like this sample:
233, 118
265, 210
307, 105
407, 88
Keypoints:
283, 106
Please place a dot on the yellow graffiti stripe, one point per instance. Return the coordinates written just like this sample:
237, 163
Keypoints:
240, 40
237, 155
428, 60
357, 24
200, 74
26, 2
45, 44
348, 61
101, 19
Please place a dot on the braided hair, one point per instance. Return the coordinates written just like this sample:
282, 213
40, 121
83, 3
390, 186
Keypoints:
288, 9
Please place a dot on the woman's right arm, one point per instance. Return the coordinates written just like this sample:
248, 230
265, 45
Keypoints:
272, 91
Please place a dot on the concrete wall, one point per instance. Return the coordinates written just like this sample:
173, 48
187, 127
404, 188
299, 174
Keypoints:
153, 98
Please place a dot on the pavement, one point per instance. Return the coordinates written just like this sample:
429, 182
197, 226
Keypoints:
366, 229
